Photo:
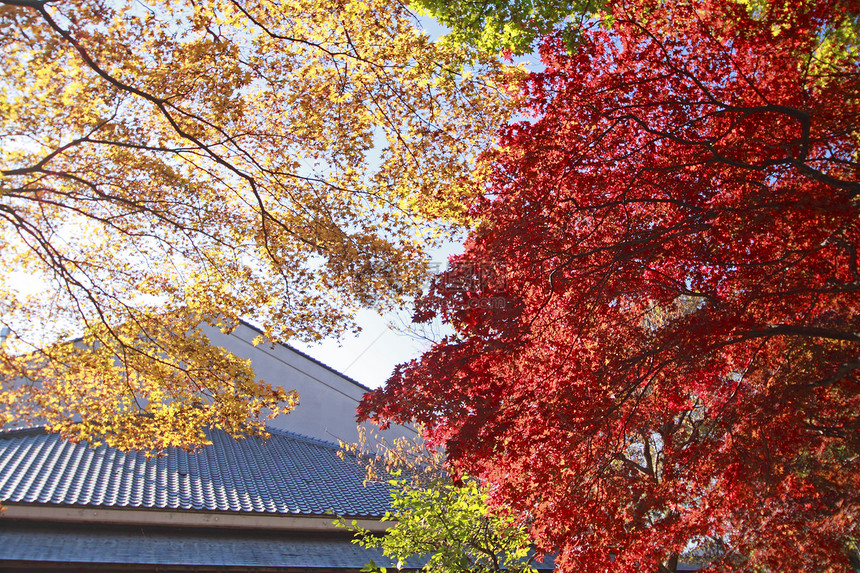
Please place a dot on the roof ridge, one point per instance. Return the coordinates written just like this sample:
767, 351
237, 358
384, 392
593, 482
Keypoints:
41, 429
303, 438
244, 322
11, 432
309, 357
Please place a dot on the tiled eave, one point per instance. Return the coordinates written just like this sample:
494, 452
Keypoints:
54, 547
165, 518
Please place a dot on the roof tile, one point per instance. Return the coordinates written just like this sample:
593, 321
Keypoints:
287, 474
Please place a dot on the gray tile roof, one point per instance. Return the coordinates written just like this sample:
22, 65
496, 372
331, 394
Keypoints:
287, 474
192, 549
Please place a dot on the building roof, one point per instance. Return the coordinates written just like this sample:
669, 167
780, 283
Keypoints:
287, 474
198, 550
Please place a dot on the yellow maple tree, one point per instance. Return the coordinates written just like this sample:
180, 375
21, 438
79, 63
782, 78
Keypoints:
167, 164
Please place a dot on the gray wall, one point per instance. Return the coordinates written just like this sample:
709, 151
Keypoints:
327, 399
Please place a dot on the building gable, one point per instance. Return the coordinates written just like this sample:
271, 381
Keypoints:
327, 398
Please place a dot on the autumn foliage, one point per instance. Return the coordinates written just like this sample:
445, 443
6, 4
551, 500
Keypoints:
446, 525
674, 370
167, 164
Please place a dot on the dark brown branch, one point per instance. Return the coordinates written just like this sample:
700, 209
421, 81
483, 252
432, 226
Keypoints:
806, 331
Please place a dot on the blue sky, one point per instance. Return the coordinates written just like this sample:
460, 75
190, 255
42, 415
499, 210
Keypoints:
384, 342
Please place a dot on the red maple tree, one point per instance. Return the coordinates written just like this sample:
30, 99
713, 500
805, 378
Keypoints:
658, 321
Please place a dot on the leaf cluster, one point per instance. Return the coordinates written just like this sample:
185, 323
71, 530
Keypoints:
439, 525
509, 26
674, 372
278, 162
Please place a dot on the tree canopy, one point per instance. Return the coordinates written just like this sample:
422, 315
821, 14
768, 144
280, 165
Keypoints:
442, 525
657, 321
513, 26
168, 164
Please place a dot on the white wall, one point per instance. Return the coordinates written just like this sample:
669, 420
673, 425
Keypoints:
327, 399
